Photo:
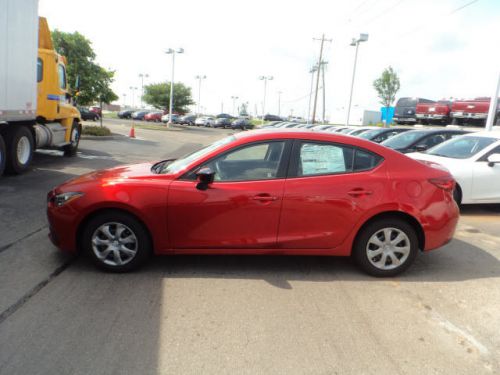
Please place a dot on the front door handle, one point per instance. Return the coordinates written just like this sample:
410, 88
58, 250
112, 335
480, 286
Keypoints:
264, 198
358, 192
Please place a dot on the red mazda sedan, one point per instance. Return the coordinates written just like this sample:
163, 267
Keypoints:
261, 192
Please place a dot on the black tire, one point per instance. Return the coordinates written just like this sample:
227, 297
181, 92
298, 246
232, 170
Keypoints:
3, 155
18, 162
457, 195
362, 245
70, 150
116, 219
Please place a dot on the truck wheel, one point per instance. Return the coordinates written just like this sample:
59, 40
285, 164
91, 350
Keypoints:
70, 150
3, 152
20, 147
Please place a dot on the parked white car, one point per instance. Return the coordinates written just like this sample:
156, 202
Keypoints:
474, 161
204, 121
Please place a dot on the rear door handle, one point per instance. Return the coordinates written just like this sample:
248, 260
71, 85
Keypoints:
358, 192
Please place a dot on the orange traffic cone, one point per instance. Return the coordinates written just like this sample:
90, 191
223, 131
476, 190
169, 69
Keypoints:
132, 132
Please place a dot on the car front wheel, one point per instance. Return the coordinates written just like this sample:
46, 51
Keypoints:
116, 242
386, 247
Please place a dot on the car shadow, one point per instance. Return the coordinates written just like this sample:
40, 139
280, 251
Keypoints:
457, 261
480, 209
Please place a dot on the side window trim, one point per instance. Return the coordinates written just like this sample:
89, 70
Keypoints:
282, 168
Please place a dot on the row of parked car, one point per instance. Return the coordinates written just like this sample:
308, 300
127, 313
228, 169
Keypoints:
472, 157
222, 120
456, 112
402, 139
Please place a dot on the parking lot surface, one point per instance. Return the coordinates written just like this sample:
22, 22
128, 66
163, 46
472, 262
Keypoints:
230, 314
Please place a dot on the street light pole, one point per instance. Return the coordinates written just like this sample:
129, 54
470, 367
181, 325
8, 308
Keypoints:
355, 42
493, 107
133, 96
142, 76
199, 78
265, 79
234, 103
124, 100
172, 52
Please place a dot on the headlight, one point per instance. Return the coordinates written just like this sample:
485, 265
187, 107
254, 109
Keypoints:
61, 199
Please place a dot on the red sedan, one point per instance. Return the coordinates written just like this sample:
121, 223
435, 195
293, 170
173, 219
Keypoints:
261, 192
153, 116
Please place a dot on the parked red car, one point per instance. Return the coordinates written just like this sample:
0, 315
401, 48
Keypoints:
153, 116
96, 110
261, 192
434, 113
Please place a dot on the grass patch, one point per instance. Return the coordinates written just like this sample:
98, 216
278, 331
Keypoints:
95, 130
111, 114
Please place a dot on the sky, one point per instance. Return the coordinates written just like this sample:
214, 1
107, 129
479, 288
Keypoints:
439, 49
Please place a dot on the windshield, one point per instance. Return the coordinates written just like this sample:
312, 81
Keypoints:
184, 161
407, 102
404, 140
369, 134
462, 147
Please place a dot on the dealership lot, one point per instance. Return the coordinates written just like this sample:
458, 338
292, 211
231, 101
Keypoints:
226, 314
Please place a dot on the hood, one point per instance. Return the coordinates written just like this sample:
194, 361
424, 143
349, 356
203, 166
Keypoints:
126, 173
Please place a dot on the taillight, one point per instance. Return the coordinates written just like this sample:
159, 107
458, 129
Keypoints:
445, 183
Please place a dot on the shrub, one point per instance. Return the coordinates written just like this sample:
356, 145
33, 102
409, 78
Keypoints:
98, 131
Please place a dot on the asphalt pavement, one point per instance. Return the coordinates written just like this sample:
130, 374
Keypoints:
230, 314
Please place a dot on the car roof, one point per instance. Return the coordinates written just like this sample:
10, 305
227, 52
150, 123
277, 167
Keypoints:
488, 134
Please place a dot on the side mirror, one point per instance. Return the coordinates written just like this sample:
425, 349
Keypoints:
493, 159
205, 176
420, 148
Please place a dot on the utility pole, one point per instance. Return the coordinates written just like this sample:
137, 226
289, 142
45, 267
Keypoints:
279, 103
320, 60
324, 88
312, 71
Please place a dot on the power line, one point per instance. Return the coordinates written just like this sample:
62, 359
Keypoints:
462, 7
423, 26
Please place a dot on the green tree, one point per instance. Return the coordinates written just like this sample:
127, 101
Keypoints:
387, 86
94, 80
244, 109
158, 95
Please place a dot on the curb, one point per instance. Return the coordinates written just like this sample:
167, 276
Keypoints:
102, 137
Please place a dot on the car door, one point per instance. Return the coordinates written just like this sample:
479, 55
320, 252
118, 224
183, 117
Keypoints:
486, 179
240, 209
329, 187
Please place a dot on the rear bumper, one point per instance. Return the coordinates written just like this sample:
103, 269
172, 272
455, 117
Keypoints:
441, 228
430, 116
463, 115
407, 119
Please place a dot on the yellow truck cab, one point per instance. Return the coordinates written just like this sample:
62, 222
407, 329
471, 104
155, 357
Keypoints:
36, 109
53, 97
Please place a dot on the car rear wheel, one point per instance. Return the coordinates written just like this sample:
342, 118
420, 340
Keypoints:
386, 247
116, 242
